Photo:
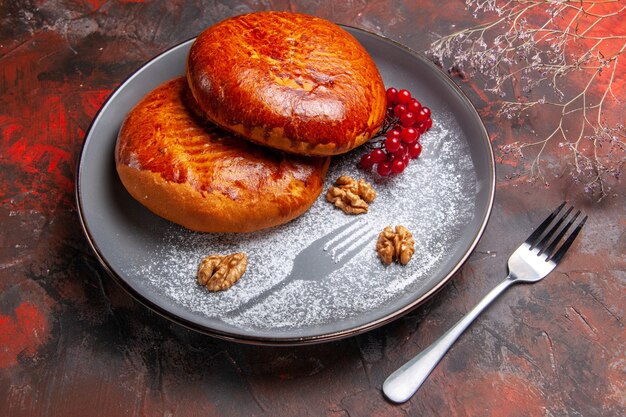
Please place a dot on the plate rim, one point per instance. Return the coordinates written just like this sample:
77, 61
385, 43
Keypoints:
291, 341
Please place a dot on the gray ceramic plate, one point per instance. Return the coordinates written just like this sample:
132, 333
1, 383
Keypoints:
444, 198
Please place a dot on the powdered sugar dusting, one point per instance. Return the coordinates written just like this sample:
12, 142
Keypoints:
433, 198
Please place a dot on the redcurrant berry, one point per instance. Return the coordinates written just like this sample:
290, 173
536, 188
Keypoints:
415, 149
378, 155
366, 161
399, 110
403, 96
402, 150
421, 127
423, 114
392, 94
393, 133
407, 119
414, 106
429, 124
392, 144
384, 169
409, 134
397, 166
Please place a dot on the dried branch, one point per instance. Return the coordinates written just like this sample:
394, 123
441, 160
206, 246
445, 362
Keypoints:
566, 40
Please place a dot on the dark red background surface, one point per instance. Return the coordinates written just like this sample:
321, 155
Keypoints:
73, 343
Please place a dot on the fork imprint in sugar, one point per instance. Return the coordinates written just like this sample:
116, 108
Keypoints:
322, 257
350, 241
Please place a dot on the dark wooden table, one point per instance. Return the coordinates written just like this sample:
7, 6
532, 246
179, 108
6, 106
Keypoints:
73, 343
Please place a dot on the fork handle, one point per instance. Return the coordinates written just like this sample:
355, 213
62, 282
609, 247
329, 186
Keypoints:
403, 383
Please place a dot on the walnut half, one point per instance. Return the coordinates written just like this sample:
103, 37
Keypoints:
220, 272
350, 195
395, 245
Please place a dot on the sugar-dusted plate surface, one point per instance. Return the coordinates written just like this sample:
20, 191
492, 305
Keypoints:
444, 198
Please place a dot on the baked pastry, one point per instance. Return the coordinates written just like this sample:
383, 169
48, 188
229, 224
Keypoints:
204, 178
289, 81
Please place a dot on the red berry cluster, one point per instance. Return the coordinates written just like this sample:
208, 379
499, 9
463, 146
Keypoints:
406, 121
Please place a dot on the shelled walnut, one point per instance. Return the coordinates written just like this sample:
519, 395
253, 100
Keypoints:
352, 196
395, 245
220, 272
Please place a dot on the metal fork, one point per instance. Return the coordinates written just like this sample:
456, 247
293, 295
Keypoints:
322, 257
531, 262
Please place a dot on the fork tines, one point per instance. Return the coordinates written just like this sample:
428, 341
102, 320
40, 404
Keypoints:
349, 241
547, 244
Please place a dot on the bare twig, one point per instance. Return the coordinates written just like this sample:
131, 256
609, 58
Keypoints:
564, 40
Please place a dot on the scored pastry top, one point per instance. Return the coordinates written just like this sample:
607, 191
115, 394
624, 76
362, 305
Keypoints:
289, 81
